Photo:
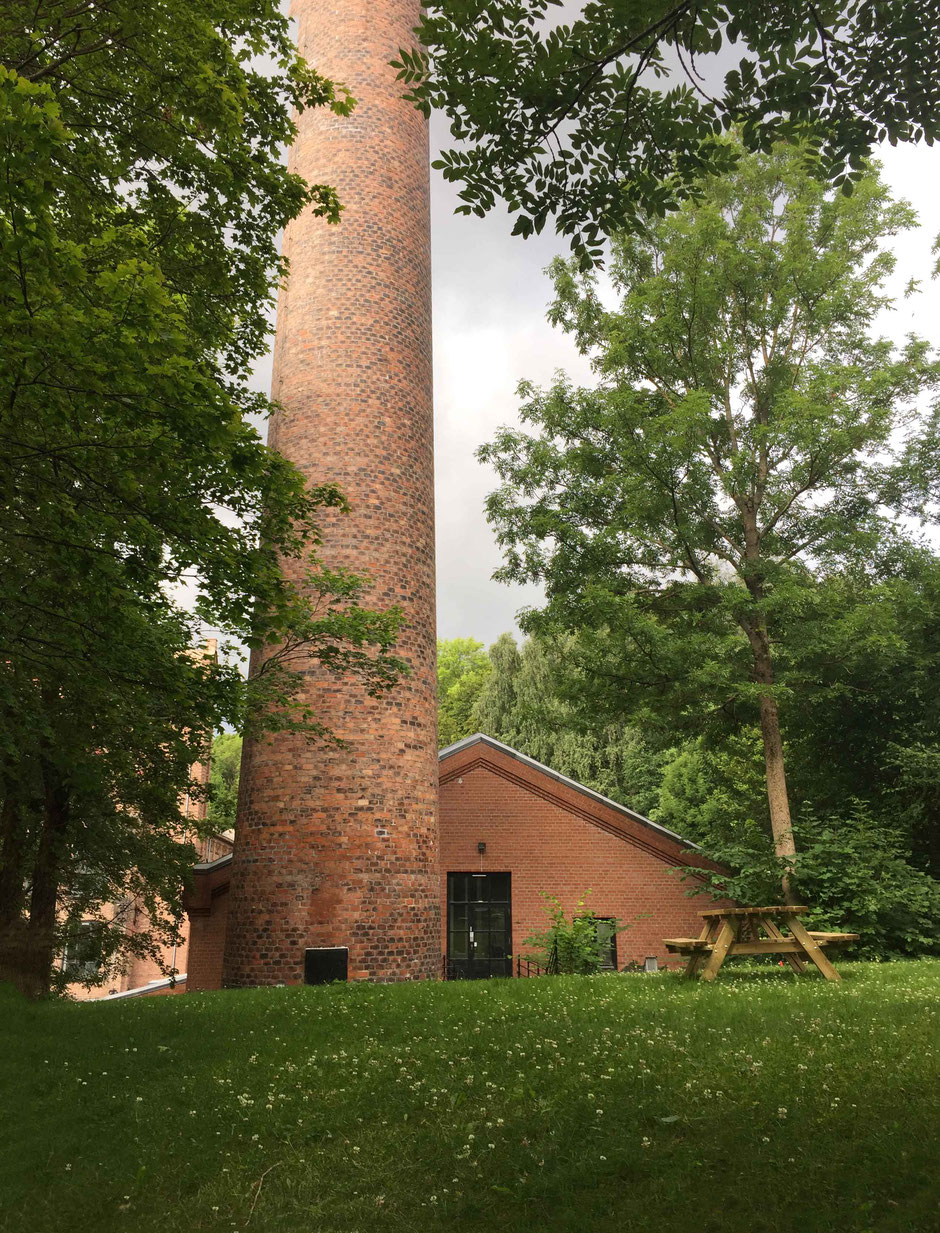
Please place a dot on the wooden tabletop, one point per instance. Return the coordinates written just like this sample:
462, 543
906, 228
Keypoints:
776, 909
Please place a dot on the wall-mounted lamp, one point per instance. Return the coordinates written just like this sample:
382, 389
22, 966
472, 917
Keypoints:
481, 848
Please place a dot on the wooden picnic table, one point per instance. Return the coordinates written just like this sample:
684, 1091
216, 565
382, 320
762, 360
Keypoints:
738, 931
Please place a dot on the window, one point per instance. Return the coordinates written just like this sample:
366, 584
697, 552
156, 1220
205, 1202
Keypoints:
606, 933
81, 959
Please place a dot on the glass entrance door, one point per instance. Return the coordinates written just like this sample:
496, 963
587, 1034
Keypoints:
479, 925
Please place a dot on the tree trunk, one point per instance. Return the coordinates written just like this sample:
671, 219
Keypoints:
13, 942
778, 798
12, 853
32, 970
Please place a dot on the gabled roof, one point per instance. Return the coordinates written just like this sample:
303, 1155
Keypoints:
480, 738
214, 875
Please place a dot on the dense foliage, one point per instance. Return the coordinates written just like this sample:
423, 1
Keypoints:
224, 772
529, 701
866, 828
854, 872
462, 668
141, 150
743, 442
604, 119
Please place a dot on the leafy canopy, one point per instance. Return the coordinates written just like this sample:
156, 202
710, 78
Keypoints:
738, 431
615, 115
141, 146
463, 667
529, 701
744, 440
224, 774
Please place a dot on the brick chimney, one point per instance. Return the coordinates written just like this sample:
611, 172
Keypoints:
339, 847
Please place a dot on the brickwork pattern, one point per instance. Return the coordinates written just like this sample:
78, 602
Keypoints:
206, 944
548, 836
339, 846
551, 838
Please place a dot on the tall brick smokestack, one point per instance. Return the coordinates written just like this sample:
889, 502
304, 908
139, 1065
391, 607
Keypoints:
339, 847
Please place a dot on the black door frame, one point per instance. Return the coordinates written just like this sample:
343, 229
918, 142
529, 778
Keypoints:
471, 967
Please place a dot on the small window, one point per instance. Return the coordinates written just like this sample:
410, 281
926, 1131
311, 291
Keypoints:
605, 932
81, 960
607, 942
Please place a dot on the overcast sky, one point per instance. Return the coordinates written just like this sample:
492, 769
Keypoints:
490, 331
490, 296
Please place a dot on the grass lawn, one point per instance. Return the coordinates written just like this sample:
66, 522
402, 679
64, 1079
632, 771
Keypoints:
759, 1104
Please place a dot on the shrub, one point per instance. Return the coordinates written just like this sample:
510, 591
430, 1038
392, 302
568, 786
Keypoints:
852, 874
573, 946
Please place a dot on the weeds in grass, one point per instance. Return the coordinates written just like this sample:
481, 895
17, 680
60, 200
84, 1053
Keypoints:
763, 1103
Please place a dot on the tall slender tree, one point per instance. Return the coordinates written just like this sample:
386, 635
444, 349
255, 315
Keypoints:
736, 445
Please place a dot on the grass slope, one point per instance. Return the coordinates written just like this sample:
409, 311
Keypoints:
761, 1104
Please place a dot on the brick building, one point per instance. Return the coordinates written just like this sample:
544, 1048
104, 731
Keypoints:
511, 828
136, 973
143, 974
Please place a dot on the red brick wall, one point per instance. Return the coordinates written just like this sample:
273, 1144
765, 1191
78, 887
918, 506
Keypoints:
551, 838
548, 836
207, 944
338, 847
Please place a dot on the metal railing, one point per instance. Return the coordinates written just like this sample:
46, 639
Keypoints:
527, 966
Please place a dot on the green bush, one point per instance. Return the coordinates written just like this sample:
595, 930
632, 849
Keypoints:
852, 874
574, 946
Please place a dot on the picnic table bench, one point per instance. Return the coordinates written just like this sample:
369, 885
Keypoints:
737, 931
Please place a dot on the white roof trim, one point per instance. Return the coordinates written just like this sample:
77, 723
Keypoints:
482, 738
140, 989
218, 863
